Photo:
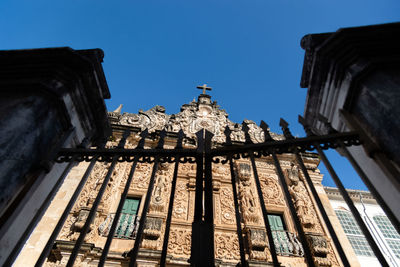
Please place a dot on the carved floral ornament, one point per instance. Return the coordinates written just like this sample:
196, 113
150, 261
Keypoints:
193, 117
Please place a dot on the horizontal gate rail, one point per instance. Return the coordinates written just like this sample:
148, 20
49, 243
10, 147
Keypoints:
278, 146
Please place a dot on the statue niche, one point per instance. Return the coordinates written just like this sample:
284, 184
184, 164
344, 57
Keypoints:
249, 207
300, 197
158, 198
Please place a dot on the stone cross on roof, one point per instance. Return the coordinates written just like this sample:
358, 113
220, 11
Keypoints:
204, 87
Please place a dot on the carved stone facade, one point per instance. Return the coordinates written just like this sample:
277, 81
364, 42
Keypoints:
193, 117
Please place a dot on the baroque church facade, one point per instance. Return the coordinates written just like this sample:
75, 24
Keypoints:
198, 114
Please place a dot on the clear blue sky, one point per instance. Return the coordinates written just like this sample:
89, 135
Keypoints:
156, 52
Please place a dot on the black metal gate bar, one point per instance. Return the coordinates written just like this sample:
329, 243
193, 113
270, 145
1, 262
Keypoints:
171, 202
321, 208
95, 205
134, 252
208, 199
238, 217
371, 188
117, 214
198, 204
272, 247
195, 252
235, 201
64, 216
353, 209
202, 247
288, 198
364, 177
265, 213
121, 202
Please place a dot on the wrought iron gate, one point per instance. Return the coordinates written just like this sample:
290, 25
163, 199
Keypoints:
202, 245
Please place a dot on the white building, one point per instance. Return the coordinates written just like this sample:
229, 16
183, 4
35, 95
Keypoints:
379, 225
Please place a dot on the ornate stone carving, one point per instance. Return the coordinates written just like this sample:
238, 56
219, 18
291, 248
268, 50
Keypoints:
179, 242
302, 201
67, 232
159, 199
226, 246
141, 177
187, 170
319, 249
152, 119
197, 115
271, 189
81, 219
227, 206
180, 210
248, 202
152, 233
257, 243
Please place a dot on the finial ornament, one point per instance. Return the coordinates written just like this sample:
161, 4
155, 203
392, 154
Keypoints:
119, 108
204, 88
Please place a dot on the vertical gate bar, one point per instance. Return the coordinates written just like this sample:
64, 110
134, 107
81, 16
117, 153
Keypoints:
353, 209
235, 201
197, 225
321, 208
134, 252
265, 213
142, 221
198, 204
95, 205
171, 202
121, 202
208, 188
318, 200
299, 227
208, 200
117, 214
347, 198
64, 216
262, 201
370, 187
293, 212
332, 232
364, 177
238, 218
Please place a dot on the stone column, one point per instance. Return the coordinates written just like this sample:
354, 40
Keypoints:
51, 98
352, 77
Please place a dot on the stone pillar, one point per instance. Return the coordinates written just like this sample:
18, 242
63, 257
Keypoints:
51, 98
352, 77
